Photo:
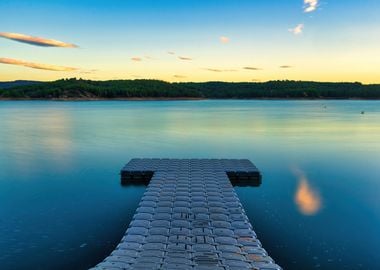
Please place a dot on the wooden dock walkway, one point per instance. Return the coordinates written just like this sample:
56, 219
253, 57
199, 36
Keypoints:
190, 218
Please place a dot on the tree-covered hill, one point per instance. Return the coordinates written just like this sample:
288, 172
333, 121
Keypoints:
11, 84
86, 89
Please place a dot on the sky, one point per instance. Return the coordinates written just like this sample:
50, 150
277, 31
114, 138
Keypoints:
191, 40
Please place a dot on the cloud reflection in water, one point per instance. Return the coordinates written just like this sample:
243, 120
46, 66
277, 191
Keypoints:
306, 197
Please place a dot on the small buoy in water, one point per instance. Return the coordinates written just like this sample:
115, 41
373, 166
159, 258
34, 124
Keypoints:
363, 112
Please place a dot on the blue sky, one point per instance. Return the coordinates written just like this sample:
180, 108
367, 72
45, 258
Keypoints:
336, 41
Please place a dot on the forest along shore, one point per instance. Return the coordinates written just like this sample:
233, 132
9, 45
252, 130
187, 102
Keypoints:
78, 89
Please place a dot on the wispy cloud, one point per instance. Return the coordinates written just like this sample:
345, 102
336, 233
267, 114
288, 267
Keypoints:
298, 29
16, 62
90, 71
224, 39
38, 41
136, 59
252, 68
220, 70
286, 66
179, 76
184, 58
171, 53
310, 5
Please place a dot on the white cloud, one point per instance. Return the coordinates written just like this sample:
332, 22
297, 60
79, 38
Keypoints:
298, 29
310, 5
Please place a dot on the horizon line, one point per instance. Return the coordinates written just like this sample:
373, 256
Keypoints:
211, 81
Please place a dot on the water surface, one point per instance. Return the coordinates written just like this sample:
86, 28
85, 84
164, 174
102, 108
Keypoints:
62, 207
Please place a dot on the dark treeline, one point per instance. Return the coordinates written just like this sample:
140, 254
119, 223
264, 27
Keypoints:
86, 89
4, 85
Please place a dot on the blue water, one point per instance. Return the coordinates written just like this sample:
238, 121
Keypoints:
62, 207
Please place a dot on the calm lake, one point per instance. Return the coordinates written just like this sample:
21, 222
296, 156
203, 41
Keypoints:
62, 205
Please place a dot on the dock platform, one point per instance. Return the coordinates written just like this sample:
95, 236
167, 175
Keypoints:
190, 218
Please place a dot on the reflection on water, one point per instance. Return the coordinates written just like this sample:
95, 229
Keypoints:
307, 199
47, 130
27, 135
56, 130
61, 205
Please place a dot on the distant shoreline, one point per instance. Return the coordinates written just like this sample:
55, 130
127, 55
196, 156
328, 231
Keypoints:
100, 99
179, 99
150, 90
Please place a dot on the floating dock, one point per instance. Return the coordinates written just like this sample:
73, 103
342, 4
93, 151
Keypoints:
189, 218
